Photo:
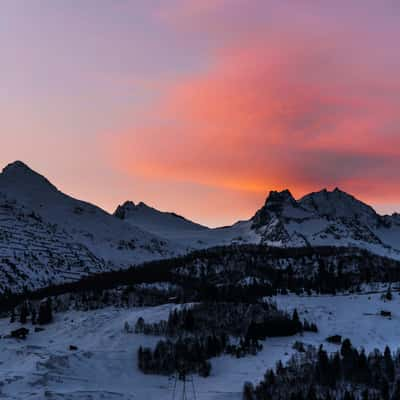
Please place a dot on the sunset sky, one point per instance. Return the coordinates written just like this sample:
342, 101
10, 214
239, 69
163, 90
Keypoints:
203, 106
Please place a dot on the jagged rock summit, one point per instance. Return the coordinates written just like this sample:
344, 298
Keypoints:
166, 224
331, 218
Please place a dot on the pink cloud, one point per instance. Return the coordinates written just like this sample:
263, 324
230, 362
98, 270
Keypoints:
277, 108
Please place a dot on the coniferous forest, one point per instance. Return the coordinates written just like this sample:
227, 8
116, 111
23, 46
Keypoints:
348, 374
206, 330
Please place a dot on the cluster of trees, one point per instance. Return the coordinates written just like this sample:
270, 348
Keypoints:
37, 314
214, 317
322, 269
217, 274
279, 325
348, 374
204, 331
249, 321
122, 297
184, 356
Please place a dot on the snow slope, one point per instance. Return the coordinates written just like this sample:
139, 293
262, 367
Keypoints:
179, 229
104, 366
107, 237
34, 214
165, 224
34, 253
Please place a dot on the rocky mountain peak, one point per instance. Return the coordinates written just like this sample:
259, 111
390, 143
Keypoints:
276, 198
20, 177
15, 167
274, 205
123, 210
337, 204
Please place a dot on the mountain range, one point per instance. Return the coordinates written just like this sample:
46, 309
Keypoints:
48, 237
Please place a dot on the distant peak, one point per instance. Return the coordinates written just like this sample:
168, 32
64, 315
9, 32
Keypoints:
336, 203
19, 173
128, 204
276, 197
275, 203
327, 193
16, 166
340, 191
124, 208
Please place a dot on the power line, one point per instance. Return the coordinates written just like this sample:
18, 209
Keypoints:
188, 391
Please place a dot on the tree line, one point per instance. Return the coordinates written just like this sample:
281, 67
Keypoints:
197, 333
217, 274
348, 374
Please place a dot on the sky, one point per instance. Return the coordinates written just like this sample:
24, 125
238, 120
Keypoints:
202, 107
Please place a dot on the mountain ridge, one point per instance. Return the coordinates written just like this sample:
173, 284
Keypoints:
69, 229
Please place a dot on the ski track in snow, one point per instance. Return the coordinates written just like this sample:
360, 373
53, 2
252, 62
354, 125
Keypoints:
104, 366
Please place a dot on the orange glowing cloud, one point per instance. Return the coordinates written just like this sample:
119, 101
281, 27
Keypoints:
275, 110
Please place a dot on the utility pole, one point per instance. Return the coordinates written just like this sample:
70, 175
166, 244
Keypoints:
188, 391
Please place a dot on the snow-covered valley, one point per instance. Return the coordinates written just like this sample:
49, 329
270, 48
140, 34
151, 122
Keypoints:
104, 366
135, 262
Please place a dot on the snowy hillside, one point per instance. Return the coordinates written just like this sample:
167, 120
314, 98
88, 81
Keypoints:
34, 253
104, 366
44, 233
166, 224
183, 231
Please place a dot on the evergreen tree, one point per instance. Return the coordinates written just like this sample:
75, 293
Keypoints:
323, 373
362, 368
296, 320
248, 391
389, 364
336, 368
348, 396
33, 316
311, 395
365, 394
23, 313
385, 389
45, 312
348, 355
396, 391
388, 295
12, 316
189, 321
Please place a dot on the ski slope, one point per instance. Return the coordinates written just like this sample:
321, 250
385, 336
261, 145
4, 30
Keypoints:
104, 366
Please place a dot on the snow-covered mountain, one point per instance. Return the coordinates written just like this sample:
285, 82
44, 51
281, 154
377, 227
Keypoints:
47, 236
166, 224
183, 231
326, 218
35, 253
